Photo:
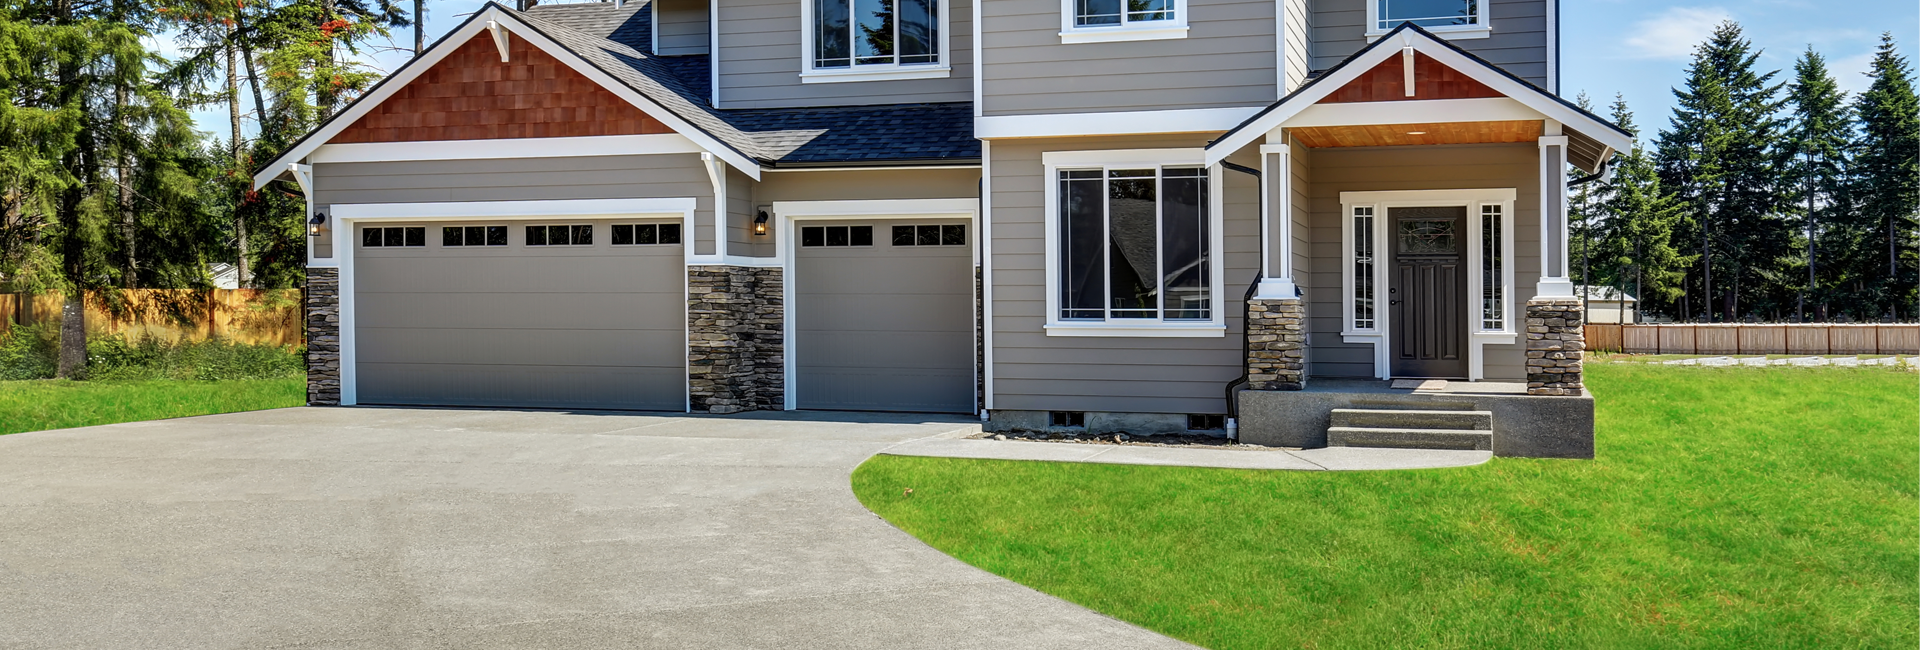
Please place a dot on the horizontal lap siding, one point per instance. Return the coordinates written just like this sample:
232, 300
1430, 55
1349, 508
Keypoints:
682, 27
760, 62
1518, 43
863, 185
1414, 168
1226, 60
1033, 371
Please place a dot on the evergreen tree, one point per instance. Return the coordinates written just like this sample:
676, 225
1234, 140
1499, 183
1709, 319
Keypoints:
1887, 181
1719, 157
1818, 138
1637, 246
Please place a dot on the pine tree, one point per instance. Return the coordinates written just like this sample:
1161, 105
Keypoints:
1817, 143
1887, 179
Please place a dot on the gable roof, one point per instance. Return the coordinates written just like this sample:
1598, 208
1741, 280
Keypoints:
1593, 137
606, 43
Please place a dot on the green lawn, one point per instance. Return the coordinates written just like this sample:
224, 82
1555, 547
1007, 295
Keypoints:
1728, 508
58, 404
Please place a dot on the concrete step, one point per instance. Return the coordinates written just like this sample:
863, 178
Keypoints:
1410, 438
1412, 419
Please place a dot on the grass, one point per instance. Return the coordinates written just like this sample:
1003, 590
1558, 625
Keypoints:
1728, 508
59, 404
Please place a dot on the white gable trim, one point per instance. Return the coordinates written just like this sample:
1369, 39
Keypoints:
508, 24
1282, 115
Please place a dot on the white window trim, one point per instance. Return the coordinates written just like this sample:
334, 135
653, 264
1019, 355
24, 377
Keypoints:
1482, 27
1215, 327
892, 72
1477, 338
1151, 30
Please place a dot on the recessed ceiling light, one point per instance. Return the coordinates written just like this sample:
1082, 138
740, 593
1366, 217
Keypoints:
1416, 133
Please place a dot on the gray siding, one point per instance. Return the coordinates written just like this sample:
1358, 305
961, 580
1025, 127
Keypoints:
680, 27
860, 184
1226, 60
760, 62
1413, 168
1518, 43
1033, 371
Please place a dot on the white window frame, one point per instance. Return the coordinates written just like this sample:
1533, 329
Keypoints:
1482, 26
1057, 161
892, 72
1478, 336
1152, 30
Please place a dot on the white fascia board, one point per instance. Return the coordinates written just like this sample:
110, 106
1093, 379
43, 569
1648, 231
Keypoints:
1494, 109
460, 37
1122, 157
600, 145
881, 207
1197, 120
513, 209
1459, 197
1283, 114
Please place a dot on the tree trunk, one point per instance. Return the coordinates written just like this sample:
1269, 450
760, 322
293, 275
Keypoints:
326, 94
73, 330
1706, 265
129, 233
242, 277
419, 27
246, 54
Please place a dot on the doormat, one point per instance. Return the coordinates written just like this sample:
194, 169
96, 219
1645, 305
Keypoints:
1420, 384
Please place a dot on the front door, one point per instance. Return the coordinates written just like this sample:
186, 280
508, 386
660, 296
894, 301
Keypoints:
1427, 292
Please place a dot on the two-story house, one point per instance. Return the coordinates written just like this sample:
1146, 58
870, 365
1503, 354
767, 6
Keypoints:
1135, 216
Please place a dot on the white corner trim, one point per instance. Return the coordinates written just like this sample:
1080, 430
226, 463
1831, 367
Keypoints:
1121, 157
1193, 120
1122, 329
513, 209
600, 145
984, 226
1430, 111
978, 63
499, 38
876, 208
886, 73
1121, 34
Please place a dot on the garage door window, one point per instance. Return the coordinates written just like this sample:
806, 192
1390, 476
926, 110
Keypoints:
473, 236
645, 234
560, 235
812, 236
393, 237
930, 235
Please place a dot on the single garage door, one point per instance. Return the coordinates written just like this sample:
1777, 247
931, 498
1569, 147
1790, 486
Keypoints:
883, 316
561, 314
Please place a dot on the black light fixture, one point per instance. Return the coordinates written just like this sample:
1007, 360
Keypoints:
760, 223
314, 223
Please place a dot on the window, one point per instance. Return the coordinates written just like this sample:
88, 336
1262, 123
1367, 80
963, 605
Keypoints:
875, 36
407, 236
1493, 306
1092, 21
473, 236
1363, 279
836, 236
1134, 244
930, 235
1438, 16
645, 234
560, 235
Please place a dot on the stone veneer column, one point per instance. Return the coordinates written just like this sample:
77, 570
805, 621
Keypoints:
736, 357
1556, 346
1276, 344
323, 337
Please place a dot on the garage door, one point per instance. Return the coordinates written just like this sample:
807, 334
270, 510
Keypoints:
566, 314
883, 316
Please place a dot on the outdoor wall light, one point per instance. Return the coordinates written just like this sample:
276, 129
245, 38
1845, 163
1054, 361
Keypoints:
314, 223
760, 224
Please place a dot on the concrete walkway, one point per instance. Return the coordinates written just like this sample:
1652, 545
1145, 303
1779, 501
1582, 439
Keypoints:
388, 528
1331, 458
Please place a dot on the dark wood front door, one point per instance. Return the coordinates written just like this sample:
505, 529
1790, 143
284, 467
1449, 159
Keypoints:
1426, 294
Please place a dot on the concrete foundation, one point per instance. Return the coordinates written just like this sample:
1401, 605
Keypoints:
1133, 424
1532, 426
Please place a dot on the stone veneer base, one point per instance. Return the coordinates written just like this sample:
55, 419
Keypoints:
1276, 344
735, 339
1556, 346
323, 336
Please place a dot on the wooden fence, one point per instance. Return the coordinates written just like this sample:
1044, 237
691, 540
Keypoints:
1729, 338
256, 316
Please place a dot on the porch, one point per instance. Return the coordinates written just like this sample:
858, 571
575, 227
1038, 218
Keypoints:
1497, 416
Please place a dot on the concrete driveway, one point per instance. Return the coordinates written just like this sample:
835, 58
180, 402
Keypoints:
392, 528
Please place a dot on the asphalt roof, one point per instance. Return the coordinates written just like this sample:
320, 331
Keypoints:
617, 41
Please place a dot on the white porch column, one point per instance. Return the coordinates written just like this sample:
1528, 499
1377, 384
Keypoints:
1276, 221
1554, 282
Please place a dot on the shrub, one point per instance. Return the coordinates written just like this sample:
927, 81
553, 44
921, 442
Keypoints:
32, 352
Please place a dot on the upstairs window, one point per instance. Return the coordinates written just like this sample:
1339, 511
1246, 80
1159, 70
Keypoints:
1120, 13
1458, 18
1095, 21
875, 36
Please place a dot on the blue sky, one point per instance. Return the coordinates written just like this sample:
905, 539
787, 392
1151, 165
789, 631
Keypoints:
1638, 48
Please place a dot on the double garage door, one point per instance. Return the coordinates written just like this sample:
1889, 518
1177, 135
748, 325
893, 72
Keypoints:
591, 314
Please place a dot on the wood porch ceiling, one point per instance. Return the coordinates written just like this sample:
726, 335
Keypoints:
1391, 135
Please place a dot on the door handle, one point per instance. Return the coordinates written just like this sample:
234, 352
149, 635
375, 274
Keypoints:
1392, 302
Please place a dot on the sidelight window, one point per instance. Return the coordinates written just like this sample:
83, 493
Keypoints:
1134, 244
855, 34
1363, 264
1493, 262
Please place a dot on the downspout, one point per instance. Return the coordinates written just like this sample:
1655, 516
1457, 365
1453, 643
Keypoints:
1246, 311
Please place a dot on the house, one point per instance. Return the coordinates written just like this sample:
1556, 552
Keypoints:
1610, 305
1158, 216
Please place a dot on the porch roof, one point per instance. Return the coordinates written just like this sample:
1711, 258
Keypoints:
1591, 138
